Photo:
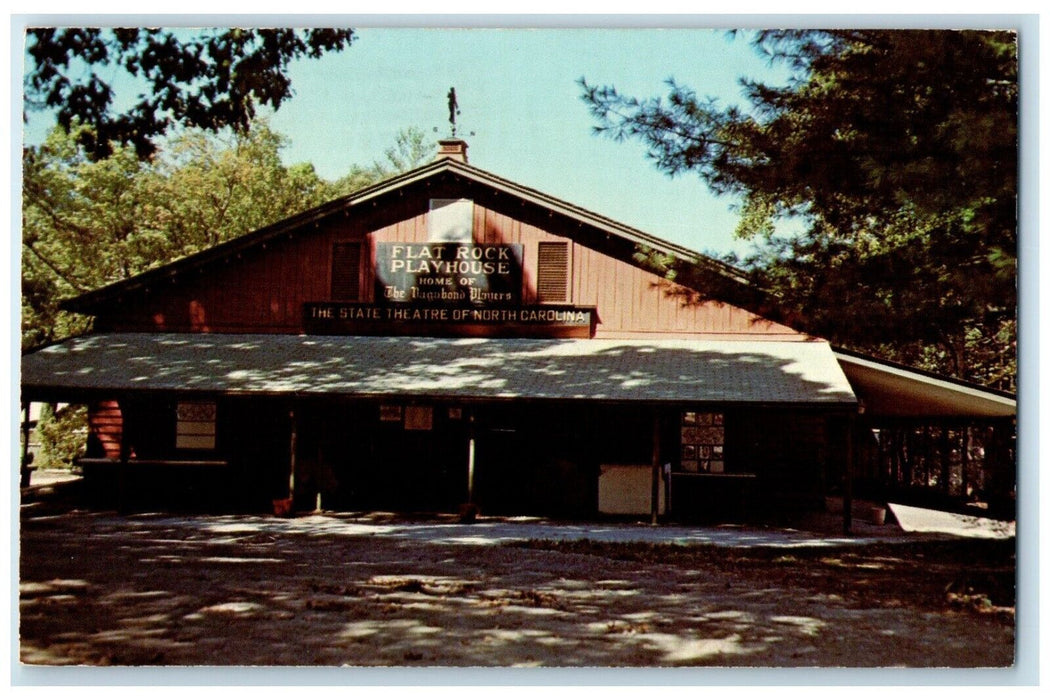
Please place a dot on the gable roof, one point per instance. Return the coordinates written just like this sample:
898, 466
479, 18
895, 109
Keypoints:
723, 280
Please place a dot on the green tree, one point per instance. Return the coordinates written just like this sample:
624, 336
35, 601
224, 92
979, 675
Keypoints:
62, 433
81, 226
411, 149
210, 79
892, 157
87, 223
207, 189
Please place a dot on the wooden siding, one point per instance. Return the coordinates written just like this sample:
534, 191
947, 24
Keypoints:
105, 429
262, 290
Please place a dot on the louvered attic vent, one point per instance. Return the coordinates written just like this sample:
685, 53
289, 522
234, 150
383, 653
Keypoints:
552, 278
346, 272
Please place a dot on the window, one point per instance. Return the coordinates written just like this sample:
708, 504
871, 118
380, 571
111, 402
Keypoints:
419, 418
390, 414
195, 425
552, 272
346, 272
414, 417
451, 221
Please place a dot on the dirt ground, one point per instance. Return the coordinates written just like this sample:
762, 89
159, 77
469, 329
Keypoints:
99, 588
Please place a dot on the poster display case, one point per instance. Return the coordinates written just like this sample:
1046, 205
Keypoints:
703, 442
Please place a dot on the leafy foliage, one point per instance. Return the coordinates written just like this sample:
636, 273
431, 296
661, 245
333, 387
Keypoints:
90, 221
62, 433
892, 155
210, 79
411, 149
87, 223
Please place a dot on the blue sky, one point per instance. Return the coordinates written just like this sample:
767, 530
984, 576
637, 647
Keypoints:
518, 93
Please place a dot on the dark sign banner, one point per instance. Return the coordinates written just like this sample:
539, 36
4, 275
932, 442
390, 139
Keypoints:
448, 274
346, 318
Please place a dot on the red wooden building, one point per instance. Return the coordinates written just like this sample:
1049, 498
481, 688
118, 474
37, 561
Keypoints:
448, 336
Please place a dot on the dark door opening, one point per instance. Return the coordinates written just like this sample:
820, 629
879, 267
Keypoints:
389, 457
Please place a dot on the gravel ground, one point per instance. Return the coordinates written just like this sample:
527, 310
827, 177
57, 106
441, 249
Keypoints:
102, 589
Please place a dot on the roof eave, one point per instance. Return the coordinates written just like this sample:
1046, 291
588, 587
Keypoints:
946, 397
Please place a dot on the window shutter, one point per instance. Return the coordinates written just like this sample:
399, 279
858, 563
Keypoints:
552, 273
346, 272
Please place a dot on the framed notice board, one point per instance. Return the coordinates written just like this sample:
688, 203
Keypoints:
703, 442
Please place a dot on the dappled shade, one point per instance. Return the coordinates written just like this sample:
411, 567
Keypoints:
97, 589
765, 372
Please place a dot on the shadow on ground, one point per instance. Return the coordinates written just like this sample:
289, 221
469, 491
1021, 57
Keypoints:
98, 588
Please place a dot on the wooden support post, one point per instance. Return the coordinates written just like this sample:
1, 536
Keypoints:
468, 512
847, 485
471, 446
907, 455
285, 507
966, 482
657, 469
125, 455
291, 456
927, 455
946, 459
24, 471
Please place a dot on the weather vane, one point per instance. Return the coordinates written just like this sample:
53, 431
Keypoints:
453, 112
453, 109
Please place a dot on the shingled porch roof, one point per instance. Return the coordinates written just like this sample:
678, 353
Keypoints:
657, 371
